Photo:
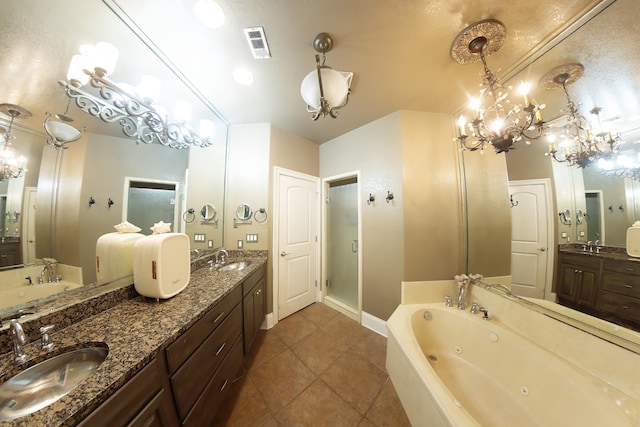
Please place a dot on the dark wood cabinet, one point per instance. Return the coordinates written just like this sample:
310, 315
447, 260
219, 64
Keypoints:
145, 400
254, 306
189, 380
10, 254
196, 359
578, 280
604, 287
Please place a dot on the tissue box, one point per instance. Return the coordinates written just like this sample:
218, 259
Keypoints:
633, 241
161, 265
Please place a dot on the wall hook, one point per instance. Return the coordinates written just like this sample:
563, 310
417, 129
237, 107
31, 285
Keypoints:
110, 202
91, 201
611, 208
389, 197
371, 199
621, 208
513, 204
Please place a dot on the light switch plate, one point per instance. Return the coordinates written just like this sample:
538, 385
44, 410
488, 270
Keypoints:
252, 238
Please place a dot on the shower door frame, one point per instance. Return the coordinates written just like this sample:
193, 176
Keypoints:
342, 308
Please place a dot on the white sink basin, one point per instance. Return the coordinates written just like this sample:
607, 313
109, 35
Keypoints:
235, 266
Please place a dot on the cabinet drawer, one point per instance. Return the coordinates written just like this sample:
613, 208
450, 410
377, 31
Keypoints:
580, 260
254, 278
206, 408
188, 342
619, 305
625, 267
619, 283
189, 381
125, 404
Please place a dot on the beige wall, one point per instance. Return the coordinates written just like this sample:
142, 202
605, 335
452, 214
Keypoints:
253, 152
247, 182
376, 151
488, 213
206, 179
433, 222
616, 221
417, 235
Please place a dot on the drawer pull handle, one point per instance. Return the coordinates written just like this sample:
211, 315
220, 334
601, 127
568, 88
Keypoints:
630, 269
626, 307
218, 318
224, 385
628, 286
221, 347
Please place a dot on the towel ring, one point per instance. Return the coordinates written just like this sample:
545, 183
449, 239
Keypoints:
189, 213
263, 215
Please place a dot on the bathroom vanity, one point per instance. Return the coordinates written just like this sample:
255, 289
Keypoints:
170, 362
603, 283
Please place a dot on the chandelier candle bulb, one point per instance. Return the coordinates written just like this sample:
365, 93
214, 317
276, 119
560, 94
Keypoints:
462, 123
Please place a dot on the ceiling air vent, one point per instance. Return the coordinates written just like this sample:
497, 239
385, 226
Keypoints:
257, 42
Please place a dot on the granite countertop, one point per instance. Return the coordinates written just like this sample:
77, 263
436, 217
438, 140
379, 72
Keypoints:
606, 252
135, 331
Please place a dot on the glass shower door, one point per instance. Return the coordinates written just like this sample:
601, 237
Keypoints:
342, 244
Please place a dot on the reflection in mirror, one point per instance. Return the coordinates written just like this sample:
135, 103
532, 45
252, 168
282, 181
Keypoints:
244, 212
208, 212
610, 77
59, 181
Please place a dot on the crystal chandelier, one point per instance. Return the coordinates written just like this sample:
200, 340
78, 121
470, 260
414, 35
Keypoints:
581, 145
495, 120
136, 115
12, 163
325, 90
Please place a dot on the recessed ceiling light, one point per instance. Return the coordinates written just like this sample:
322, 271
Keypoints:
209, 13
243, 76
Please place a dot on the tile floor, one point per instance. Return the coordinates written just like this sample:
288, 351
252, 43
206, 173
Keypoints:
315, 368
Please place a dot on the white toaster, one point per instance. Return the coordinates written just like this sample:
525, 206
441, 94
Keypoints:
161, 266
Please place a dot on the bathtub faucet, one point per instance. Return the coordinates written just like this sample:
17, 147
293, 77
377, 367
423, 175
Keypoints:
462, 294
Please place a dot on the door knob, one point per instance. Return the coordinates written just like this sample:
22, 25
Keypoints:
542, 249
283, 253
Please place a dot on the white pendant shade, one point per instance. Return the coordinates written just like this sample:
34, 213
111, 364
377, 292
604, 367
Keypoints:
334, 84
61, 132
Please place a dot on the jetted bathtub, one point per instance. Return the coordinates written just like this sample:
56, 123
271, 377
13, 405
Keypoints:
452, 368
23, 294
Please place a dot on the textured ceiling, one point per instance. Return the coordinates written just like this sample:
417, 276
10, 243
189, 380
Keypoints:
397, 50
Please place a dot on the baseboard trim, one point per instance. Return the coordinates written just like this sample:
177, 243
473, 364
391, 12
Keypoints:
377, 325
269, 321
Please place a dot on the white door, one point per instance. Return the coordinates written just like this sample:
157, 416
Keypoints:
530, 238
297, 246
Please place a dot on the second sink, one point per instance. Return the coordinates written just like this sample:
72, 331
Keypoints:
235, 266
44, 383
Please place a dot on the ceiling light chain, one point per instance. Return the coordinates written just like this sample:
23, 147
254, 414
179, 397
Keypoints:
495, 122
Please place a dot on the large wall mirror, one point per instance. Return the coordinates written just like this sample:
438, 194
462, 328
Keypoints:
69, 197
595, 206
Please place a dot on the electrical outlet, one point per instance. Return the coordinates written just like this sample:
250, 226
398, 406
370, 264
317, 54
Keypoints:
582, 234
564, 235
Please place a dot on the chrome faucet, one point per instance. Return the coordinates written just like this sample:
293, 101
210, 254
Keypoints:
224, 253
462, 293
19, 340
50, 269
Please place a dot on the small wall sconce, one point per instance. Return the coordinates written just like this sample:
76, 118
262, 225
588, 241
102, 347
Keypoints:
389, 197
371, 199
